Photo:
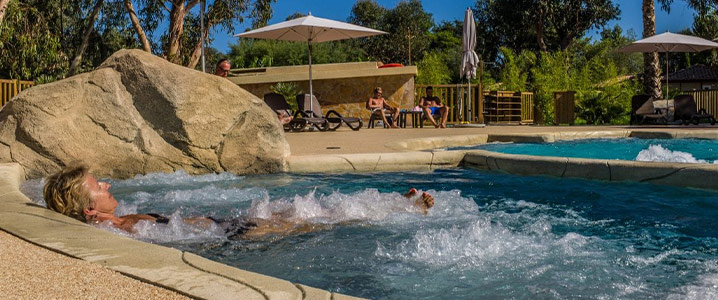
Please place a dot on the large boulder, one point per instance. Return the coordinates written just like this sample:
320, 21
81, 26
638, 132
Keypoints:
136, 114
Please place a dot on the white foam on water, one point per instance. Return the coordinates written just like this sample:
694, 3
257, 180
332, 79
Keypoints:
176, 231
659, 154
705, 286
367, 205
483, 244
177, 178
33, 190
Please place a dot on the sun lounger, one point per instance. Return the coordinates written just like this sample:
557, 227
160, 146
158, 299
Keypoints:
687, 111
643, 111
277, 103
310, 107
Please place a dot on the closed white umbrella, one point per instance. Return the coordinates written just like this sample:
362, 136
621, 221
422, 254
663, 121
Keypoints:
469, 59
312, 30
670, 42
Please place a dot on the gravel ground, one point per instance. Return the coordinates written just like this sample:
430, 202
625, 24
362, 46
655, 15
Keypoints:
31, 272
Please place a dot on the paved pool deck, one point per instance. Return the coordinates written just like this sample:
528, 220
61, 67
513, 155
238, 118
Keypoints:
39, 240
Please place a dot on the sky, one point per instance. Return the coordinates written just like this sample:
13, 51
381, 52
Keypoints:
680, 17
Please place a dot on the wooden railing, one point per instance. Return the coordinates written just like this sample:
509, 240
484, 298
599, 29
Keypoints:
707, 99
452, 95
9, 88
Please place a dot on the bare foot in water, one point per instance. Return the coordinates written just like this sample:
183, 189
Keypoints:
411, 193
428, 200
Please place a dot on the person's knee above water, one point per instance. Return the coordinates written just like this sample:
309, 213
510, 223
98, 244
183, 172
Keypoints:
75, 192
378, 105
431, 105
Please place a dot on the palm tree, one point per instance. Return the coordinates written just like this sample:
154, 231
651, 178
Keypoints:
651, 67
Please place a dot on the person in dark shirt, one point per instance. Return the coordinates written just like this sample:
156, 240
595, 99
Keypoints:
432, 106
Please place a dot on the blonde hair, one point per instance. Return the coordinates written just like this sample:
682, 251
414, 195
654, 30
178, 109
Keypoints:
64, 192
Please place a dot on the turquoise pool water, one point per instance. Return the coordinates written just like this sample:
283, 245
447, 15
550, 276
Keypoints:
490, 235
670, 150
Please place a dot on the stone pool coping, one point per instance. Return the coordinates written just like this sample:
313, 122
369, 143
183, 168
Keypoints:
201, 278
181, 271
423, 154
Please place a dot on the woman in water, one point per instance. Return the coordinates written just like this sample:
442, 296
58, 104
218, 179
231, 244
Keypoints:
75, 192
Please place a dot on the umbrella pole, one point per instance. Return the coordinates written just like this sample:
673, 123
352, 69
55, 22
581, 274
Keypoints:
666, 95
469, 117
311, 92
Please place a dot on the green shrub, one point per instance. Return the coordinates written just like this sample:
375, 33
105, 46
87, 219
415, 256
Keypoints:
433, 70
289, 90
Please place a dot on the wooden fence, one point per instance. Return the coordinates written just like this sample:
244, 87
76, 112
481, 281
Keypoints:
564, 107
9, 88
707, 99
452, 95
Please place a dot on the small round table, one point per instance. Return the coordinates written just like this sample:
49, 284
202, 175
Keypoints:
415, 118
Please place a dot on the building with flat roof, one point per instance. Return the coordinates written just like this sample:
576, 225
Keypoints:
344, 87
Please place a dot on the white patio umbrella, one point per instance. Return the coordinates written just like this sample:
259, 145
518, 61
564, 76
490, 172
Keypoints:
469, 59
312, 30
670, 42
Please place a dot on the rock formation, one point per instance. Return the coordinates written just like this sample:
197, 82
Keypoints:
136, 114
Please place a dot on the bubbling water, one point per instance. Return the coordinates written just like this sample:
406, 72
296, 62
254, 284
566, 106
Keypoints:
659, 154
488, 236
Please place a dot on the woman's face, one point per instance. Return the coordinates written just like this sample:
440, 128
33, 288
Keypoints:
378, 93
101, 200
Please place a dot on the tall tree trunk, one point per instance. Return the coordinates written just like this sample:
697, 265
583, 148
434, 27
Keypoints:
651, 66
138, 28
85, 37
197, 51
540, 22
3, 7
177, 14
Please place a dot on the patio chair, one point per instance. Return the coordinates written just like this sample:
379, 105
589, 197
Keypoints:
376, 116
277, 103
687, 111
643, 111
334, 119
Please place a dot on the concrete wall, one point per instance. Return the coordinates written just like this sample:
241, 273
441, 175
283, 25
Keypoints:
344, 87
348, 96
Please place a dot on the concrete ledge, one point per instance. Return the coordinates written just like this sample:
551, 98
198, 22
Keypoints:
676, 174
438, 142
374, 162
675, 134
180, 271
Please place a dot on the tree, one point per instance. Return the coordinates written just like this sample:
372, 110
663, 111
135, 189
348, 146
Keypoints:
30, 43
407, 26
651, 66
539, 25
182, 41
85, 37
3, 7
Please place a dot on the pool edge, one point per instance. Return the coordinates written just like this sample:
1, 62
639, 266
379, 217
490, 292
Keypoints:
165, 267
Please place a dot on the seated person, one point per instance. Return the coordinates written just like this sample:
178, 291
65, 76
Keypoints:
75, 192
432, 106
378, 105
284, 117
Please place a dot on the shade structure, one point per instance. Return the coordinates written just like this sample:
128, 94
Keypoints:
670, 42
469, 59
310, 29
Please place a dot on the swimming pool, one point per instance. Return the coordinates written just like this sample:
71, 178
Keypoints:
490, 235
665, 150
